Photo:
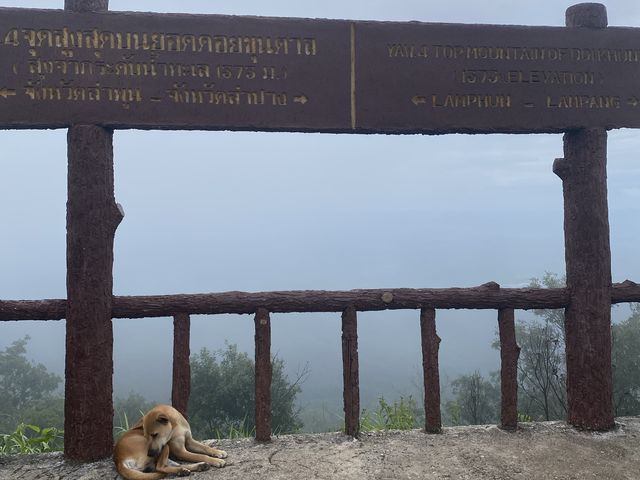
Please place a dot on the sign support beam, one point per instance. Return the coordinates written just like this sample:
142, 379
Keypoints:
583, 171
92, 218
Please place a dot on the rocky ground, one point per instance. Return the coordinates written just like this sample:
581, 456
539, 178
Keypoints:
550, 450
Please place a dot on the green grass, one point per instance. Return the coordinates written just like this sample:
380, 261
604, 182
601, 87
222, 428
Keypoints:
400, 415
123, 426
243, 430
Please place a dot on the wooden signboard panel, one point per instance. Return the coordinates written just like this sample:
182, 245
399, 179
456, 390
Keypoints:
173, 71
133, 70
439, 78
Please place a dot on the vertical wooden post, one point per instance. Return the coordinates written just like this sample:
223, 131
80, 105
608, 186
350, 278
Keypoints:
181, 385
430, 370
86, 5
263, 375
583, 172
350, 372
509, 353
92, 219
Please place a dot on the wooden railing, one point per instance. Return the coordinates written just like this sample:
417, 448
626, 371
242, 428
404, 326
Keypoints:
349, 303
489, 296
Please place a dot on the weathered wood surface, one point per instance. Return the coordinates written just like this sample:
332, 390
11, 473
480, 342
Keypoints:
509, 353
152, 70
264, 373
86, 6
583, 171
92, 218
350, 372
430, 370
588, 260
486, 298
181, 384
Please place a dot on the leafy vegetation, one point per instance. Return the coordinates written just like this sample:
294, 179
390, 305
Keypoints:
542, 370
475, 402
625, 358
31, 439
28, 392
242, 430
400, 415
541, 366
223, 395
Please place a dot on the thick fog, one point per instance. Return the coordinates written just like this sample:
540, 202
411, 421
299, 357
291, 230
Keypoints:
220, 211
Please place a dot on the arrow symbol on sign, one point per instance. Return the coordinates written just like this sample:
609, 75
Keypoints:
300, 99
5, 92
633, 101
418, 99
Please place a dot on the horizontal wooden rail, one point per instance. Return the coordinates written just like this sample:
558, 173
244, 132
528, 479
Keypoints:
487, 296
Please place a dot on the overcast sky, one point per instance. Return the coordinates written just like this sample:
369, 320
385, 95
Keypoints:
218, 211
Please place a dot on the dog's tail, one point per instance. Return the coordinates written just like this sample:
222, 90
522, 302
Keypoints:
132, 474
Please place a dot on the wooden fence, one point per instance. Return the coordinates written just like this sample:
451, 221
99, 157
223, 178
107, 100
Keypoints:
349, 303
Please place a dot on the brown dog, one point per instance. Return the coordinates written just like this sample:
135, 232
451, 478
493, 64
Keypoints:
142, 453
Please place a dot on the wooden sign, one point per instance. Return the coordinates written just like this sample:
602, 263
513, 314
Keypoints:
439, 78
141, 70
133, 70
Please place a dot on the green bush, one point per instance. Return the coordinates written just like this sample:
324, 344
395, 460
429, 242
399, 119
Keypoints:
401, 415
31, 439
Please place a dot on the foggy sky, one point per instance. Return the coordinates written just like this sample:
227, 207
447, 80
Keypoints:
219, 211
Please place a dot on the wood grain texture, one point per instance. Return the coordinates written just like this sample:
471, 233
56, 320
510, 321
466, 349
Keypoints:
317, 301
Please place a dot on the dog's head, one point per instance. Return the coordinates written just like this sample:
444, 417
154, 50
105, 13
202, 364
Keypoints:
157, 430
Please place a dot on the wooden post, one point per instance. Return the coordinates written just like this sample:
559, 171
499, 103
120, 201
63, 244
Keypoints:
86, 5
509, 353
263, 375
583, 171
350, 372
430, 370
181, 386
92, 219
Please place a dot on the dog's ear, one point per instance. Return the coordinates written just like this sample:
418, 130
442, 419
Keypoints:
162, 419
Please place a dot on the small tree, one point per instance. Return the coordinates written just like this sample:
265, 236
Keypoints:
541, 370
223, 394
554, 317
476, 400
27, 390
542, 366
626, 364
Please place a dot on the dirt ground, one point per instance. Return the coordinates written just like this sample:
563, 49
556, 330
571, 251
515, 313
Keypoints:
549, 450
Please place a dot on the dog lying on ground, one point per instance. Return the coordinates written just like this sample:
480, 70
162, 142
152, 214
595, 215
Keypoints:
142, 453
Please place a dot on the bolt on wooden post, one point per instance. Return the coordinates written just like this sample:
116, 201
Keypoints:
583, 171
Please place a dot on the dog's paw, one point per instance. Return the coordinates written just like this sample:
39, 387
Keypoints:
220, 454
201, 467
184, 472
219, 463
